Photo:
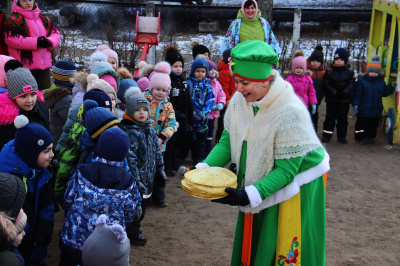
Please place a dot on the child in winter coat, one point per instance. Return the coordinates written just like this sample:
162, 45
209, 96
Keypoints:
203, 101
12, 219
182, 103
198, 50
93, 83
111, 54
315, 63
28, 156
339, 82
144, 156
302, 83
81, 144
58, 98
228, 86
126, 82
107, 245
367, 101
219, 103
99, 187
163, 116
79, 89
21, 98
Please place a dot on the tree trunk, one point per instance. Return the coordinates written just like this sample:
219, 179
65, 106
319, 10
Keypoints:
265, 6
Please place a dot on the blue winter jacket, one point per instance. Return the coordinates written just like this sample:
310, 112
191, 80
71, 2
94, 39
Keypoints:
368, 95
84, 201
144, 154
38, 204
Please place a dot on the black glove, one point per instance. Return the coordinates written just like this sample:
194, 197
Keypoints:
236, 197
161, 176
43, 42
138, 214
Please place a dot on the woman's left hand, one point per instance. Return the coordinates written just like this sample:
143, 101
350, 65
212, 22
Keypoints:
236, 197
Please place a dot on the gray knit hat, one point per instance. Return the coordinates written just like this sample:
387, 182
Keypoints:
20, 82
374, 65
106, 246
134, 100
12, 194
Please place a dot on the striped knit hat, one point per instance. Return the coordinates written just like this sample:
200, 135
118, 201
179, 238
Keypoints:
20, 82
97, 119
374, 65
61, 71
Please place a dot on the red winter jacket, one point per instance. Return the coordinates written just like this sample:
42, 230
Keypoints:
226, 80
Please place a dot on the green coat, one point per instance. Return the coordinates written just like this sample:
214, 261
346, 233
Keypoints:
265, 223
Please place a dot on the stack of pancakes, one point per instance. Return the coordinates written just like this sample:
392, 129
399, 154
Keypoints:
208, 182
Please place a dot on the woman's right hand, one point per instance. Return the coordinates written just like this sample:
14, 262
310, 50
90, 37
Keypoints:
43, 42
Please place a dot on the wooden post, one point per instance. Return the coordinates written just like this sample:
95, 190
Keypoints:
296, 30
265, 6
150, 12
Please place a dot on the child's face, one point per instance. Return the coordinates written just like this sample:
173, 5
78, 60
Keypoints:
373, 74
72, 79
200, 73
159, 93
299, 70
212, 73
205, 55
339, 62
113, 63
177, 67
20, 234
27, 101
113, 100
141, 114
45, 157
315, 64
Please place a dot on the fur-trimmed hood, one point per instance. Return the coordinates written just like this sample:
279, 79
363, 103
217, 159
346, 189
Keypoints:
81, 80
9, 109
55, 94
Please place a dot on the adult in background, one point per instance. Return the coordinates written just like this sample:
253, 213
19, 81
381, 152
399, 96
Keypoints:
280, 164
249, 25
30, 38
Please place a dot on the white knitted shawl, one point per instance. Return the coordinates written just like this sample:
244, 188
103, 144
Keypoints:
282, 129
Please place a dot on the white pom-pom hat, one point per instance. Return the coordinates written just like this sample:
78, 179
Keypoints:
160, 78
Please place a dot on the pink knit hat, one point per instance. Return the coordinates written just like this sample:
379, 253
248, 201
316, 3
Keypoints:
108, 52
299, 61
111, 80
3, 61
255, 4
160, 78
95, 83
143, 83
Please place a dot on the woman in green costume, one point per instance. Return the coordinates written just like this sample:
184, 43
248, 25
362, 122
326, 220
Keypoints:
280, 164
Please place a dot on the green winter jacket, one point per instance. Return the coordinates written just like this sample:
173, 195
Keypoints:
251, 29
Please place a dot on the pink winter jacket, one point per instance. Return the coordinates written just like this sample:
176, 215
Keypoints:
219, 97
304, 88
41, 56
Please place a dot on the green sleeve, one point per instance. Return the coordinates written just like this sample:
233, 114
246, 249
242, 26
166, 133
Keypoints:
285, 170
220, 155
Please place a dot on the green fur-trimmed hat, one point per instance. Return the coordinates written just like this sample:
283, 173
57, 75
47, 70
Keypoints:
253, 60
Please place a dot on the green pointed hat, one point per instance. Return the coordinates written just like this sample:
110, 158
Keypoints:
253, 60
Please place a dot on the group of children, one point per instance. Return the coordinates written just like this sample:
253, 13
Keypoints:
338, 85
95, 144
110, 140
